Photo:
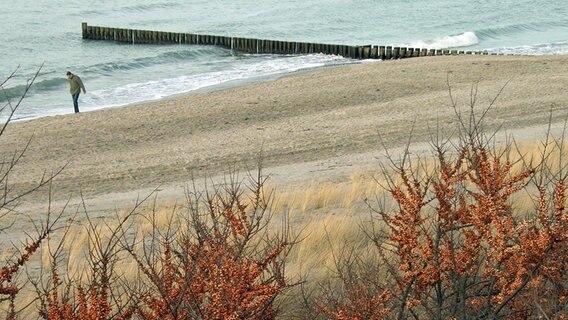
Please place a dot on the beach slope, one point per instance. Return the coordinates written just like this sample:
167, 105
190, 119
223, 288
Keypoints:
311, 125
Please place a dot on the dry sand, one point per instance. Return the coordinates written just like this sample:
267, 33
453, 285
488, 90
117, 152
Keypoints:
309, 126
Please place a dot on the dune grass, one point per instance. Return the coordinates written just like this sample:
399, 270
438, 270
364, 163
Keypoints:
330, 217
328, 214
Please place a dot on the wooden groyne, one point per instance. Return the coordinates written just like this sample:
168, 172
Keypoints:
262, 46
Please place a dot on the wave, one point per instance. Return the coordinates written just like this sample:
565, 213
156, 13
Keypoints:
556, 48
14, 93
175, 56
465, 39
514, 29
149, 7
247, 70
496, 33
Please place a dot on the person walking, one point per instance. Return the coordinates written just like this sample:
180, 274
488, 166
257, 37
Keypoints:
75, 87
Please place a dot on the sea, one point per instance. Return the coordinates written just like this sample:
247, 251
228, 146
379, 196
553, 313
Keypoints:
44, 37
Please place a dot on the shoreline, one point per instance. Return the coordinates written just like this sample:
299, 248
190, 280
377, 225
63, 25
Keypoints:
231, 84
308, 125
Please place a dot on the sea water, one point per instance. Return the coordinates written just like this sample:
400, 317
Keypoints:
45, 35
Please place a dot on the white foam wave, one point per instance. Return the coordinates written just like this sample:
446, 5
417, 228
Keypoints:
465, 39
245, 70
556, 48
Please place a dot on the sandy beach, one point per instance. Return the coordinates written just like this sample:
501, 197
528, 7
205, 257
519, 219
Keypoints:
313, 125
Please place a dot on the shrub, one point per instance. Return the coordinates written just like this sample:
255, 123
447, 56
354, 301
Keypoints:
219, 262
9, 200
453, 245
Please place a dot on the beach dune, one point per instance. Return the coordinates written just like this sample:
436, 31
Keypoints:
308, 125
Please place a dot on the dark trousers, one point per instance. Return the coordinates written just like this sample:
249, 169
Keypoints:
76, 101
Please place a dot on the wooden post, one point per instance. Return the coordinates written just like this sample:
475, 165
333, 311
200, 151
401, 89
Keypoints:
395, 52
374, 52
388, 54
366, 52
84, 29
343, 51
350, 52
335, 50
354, 52
382, 52
316, 48
301, 48
319, 48
226, 42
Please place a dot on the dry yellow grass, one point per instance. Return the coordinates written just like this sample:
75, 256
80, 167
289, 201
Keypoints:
328, 215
